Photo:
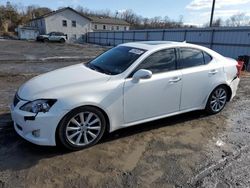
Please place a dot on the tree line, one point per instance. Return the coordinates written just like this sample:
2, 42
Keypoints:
12, 15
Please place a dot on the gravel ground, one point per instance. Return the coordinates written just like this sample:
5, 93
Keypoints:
189, 150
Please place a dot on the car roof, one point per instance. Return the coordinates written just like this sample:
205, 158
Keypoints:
155, 45
150, 45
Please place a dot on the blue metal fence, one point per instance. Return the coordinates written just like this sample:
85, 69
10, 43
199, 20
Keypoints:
231, 42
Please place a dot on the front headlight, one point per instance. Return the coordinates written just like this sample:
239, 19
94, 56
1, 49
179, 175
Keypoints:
40, 105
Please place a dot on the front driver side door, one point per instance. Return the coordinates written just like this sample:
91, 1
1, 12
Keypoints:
157, 96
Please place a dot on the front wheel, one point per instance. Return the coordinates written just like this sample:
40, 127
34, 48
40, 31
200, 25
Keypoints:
217, 100
81, 128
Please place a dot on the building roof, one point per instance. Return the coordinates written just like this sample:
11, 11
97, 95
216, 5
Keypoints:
94, 19
57, 11
105, 20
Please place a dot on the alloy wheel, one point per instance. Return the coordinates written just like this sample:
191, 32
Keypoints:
83, 128
218, 99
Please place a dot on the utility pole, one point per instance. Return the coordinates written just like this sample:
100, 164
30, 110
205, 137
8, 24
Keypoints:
212, 14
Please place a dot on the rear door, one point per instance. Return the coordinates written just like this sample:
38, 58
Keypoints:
159, 95
200, 74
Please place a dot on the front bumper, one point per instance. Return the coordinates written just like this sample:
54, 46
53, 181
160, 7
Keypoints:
41, 130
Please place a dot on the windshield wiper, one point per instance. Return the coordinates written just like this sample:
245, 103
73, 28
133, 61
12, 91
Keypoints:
99, 69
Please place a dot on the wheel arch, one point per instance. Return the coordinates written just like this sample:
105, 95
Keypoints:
229, 90
107, 130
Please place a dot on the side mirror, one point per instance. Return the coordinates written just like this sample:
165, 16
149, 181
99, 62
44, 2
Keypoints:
142, 74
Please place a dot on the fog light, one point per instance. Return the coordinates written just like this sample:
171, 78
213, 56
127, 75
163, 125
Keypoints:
36, 133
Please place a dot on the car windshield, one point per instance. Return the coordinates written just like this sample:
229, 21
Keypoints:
116, 60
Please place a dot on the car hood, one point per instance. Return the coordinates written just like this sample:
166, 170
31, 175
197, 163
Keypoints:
52, 84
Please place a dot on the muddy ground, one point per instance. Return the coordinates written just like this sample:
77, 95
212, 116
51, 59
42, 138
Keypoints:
189, 150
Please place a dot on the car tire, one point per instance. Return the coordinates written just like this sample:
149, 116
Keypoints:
217, 100
81, 128
62, 40
45, 40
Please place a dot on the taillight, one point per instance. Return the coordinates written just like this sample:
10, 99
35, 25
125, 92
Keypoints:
239, 67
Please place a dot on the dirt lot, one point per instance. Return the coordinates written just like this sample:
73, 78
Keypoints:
190, 150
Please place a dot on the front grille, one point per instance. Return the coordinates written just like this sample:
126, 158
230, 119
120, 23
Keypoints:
16, 100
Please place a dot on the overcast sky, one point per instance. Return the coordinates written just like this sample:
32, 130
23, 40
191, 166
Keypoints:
193, 11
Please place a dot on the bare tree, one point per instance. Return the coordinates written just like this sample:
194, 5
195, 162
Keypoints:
237, 20
217, 23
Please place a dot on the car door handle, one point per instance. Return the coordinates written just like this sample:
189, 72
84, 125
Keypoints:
214, 71
174, 80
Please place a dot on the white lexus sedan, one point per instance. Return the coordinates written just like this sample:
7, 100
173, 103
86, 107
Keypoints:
130, 84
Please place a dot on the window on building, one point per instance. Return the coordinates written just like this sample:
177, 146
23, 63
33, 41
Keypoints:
95, 26
64, 23
104, 27
117, 27
125, 28
112, 28
73, 23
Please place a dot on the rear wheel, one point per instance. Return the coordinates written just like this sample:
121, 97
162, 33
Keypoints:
81, 128
45, 40
62, 40
217, 100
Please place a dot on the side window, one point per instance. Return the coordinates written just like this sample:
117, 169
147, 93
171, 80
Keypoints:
162, 61
59, 34
190, 58
207, 58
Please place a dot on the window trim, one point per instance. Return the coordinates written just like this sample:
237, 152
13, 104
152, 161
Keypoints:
130, 75
179, 56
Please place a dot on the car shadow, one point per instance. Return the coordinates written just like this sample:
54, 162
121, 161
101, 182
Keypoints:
17, 154
144, 127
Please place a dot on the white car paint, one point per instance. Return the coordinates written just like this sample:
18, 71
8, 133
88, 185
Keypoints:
125, 101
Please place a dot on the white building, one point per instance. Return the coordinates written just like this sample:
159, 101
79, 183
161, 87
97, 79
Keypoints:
74, 24
110, 24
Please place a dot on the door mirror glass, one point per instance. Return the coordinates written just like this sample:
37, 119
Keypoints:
142, 74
